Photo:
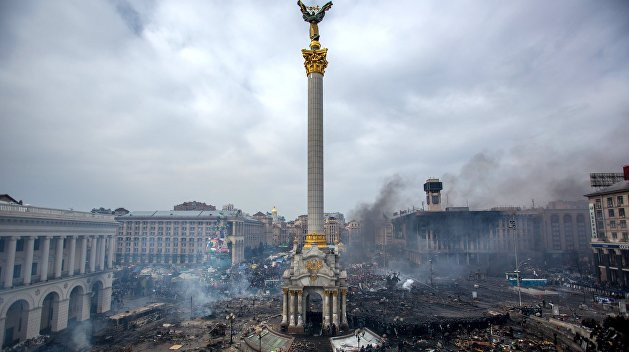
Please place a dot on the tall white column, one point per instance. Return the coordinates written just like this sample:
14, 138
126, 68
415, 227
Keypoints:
300, 321
315, 153
45, 259
344, 306
28, 260
284, 307
101, 258
58, 256
110, 255
10, 263
291, 308
71, 255
83, 257
326, 309
93, 248
335, 307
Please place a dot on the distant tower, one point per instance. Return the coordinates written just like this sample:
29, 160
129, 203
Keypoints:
433, 188
274, 214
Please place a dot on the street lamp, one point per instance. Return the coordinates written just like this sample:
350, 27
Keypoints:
259, 331
231, 317
360, 332
512, 226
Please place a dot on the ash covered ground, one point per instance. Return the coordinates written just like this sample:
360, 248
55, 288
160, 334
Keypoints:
158, 308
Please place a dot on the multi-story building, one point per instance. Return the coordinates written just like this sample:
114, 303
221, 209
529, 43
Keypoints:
608, 208
174, 237
55, 267
334, 227
353, 233
557, 233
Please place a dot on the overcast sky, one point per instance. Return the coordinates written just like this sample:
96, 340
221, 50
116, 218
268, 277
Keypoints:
145, 104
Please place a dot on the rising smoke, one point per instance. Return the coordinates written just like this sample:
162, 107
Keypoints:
372, 216
523, 176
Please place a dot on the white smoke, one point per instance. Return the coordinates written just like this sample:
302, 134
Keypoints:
408, 284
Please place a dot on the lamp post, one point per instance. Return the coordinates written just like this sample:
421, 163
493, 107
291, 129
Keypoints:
231, 317
259, 331
360, 332
512, 226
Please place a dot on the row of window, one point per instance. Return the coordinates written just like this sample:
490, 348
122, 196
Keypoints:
618, 201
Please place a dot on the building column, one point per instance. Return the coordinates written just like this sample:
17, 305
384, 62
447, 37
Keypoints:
284, 306
58, 257
8, 272
71, 255
335, 308
110, 258
326, 309
300, 321
83, 257
28, 260
33, 322
45, 259
291, 308
101, 252
344, 307
93, 248
60, 315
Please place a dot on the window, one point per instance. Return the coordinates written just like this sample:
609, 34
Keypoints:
623, 224
614, 235
17, 271
625, 236
36, 244
612, 224
621, 212
620, 200
610, 212
610, 202
2, 245
19, 245
34, 269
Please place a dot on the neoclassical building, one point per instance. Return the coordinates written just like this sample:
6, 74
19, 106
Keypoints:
185, 236
55, 267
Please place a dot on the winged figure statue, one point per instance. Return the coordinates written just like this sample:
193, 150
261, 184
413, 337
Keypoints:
314, 15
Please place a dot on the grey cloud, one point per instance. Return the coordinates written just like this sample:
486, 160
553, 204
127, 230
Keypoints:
146, 103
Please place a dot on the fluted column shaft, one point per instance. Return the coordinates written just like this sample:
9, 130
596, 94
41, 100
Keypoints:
284, 307
58, 256
45, 259
10, 263
300, 320
335, 305
326, 309
71, 255
315, 153
83, 257
291, 308
93, 249
101, 258
28, 260
344, 306
110, 255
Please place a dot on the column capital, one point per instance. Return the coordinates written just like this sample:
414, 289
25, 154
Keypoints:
315, 60
14, 238
60, 237
285, 289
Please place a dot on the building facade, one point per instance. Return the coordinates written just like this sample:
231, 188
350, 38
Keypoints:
608, 209
55, 267
179, 237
